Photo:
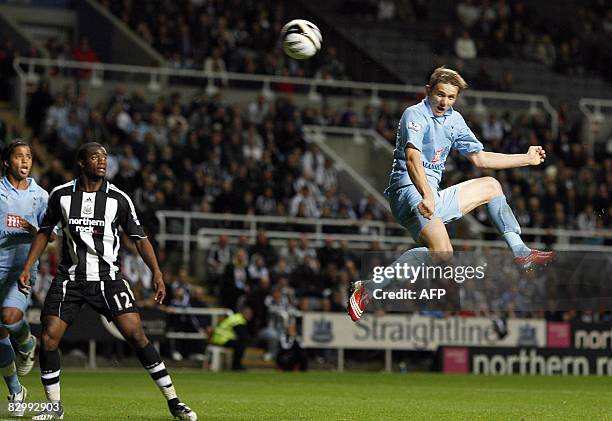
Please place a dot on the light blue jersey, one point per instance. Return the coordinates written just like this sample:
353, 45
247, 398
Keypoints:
433, 137
15, 242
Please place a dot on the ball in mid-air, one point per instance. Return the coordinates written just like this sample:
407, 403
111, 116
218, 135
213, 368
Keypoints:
301, 39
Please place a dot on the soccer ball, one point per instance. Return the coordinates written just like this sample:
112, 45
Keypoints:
301, 39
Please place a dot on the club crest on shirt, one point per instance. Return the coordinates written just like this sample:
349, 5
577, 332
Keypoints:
87, 205
414, 126
437, 155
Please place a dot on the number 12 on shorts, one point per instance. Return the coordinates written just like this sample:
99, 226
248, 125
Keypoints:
124, 295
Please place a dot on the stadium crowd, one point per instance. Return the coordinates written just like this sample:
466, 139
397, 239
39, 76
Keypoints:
234, 36
501, 29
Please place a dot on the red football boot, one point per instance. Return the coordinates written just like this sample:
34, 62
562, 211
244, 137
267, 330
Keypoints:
358, 301
536, 257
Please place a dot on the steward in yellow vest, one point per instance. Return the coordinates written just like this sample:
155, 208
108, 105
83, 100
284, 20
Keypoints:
232, 333
224, 332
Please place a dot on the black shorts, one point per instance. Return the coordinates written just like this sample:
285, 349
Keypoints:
111, 298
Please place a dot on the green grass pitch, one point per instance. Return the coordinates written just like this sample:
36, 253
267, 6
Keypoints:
131, 395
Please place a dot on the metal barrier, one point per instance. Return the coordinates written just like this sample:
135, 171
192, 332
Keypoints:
283, 228
252, 224
215, 313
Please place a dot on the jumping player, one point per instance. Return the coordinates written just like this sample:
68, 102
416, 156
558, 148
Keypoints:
91, 210
427, 132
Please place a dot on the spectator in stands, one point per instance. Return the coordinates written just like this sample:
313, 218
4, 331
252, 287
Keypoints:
307, 278
40, 101
257, 268
291, 255
492, 129
386, 10
235, 280
70, 136
263, 247
369, 205
43, 282
258, 110
468, 13
57, 115
443, 45
545, 50
465, 47
219, 257
331, 65
198, 300
313, 160
215, 63
279, 308
84, 54
134, 268
327, 254
183, 281
178, 322
265, 204
291, 353
305, 249
253, 148
258, 291
307, 201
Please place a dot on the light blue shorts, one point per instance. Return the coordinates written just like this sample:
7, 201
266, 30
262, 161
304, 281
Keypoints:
10, 296
404, 202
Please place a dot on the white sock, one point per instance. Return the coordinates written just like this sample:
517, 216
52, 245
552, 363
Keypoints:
53, 392
161, 377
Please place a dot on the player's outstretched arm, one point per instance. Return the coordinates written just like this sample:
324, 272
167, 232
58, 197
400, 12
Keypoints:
414, 164
41, 239
145, 249
499, 161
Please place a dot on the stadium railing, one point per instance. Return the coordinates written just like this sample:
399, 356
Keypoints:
30, 69
215, 313
202, 229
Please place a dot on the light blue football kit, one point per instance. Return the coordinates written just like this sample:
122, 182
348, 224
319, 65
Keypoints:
434, 137
15, 242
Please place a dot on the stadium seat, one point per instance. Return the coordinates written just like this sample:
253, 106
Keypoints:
217, 357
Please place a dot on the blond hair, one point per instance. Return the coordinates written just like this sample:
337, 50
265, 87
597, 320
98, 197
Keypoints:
444, 75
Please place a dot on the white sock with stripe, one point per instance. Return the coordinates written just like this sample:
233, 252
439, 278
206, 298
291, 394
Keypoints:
151, 361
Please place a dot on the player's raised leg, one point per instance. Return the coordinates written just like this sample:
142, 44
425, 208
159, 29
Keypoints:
13, 312
487, 190
53, 331
130, 326
438, 249
17, 392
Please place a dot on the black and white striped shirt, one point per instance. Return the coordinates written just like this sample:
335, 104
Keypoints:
90, 224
